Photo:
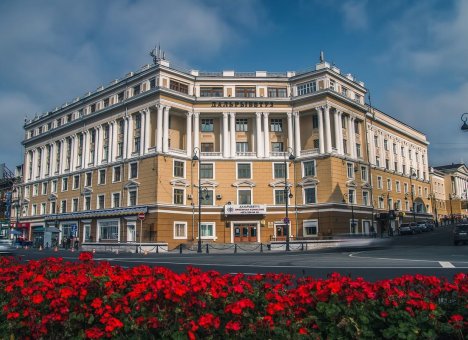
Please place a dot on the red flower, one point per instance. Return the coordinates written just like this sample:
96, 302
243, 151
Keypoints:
233, 326
37, 299
303, 331
456, 318
383, 314
85, 256
94, 333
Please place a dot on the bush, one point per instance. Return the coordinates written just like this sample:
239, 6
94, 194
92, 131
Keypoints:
52, 298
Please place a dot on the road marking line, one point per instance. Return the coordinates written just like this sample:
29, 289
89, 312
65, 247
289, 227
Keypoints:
446, 264
397, 259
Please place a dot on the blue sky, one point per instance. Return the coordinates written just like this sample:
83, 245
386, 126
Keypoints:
410, 54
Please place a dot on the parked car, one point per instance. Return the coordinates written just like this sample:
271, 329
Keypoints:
6, 246
408, 228
430, 225
460, 234
423, 226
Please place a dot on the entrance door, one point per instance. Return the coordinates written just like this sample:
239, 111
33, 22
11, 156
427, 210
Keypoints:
245, 232
366, 227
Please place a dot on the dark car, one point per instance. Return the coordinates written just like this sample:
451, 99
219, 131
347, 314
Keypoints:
460, 234
409, 228
423, 226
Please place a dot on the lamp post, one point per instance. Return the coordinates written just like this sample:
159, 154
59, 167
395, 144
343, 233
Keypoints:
350, 200
287, 194
464, 119
451, 211
198, 158
432, 198
412, 173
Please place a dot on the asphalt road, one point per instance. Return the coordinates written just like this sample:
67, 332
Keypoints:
431, 253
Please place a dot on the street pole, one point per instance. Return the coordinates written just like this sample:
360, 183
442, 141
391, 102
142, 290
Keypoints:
451, 211
287, 194
412, 195
198, 158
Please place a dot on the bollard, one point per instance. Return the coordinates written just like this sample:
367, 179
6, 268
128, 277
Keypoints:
94, 250
146, 252
302, 246
55, 248
40, 247
72, 250
180, 248
261, 247
157, 249
235, 248
306, 245
207, 250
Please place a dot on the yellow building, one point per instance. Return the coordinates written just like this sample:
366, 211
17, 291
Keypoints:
275, 152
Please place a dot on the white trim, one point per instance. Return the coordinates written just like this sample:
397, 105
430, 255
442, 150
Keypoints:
303, 228
112, 199
214, 237
251, 195
128, 196
185, 168
273, 170
185, 230
183, 195
129, 169
97, 201
98, 226
237, 170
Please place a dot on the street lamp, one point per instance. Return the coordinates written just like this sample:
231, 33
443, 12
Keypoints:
432, 198
198, 158
451, 196
412, 174
350, 200
464, 119
287, 194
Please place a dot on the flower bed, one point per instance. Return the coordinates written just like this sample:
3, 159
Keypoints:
52, 298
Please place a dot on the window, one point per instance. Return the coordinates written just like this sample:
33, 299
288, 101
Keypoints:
180, 230
116, 200
385, 143
100, 202
405, 187
178, 196
34, 209
206, 171
244, 196
43, 209
351, 196
120, 97
152, 83
315, 122
397, 186
245, 92
179, 169
332, 85
207, 230
350, 170
398, 205
306, 88
364, 173
207, 125
211, 92
75, 204
277, 146
345, 147
64, 183
207, 147
310, 196
52, 208
376, 140
243, 170
133, 170
76, 182
136, 144
309, 168
241, 124
279, 170
310, 228
280, 196
276, 125
106, 102
242, 147
132, 197
381, 202
87, 203
206, 197
358, 150
377, 160
36, 189
365, 198
54, 186
179, 87
277, 92
395, 166
389, 184
379, 182
316, 143
63, 206
44, 188
117, 175
102, 176
136, 90
88, 179
387, 164
344, 91
108, 230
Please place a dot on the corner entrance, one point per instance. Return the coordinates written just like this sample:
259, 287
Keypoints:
245, 232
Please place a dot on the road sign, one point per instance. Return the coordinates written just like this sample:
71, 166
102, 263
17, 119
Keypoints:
141, 216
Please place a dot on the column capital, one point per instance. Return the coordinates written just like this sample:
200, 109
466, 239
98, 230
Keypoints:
289, 114
319, 108
258, 114
232, 114
265, 114
145, 110
189, 114
326, 106
296, 113
225, 114
197, 114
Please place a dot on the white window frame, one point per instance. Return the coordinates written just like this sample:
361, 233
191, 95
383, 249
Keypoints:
365, 201
274, 197
237, 170
245, 189
99, 222
45, 187
61, 206
99, 176
112, 199
350, 170
77, 205
128, 196
113, 174
389, 184
84, 202
304, 194
184, 224
183, 195
314, 167
73, 184
273, 170
130, 170
397, 186
64, 179
364, 174
213, 237
90, 173
213, 195
316, 222
379, 182
53, 186
97, 201
173, 168
214, 167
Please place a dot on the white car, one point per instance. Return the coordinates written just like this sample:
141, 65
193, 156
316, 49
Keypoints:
6, 246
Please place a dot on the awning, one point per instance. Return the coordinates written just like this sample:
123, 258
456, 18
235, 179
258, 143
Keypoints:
53, 230
15, 232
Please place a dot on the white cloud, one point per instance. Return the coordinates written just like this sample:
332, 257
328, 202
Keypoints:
355, 14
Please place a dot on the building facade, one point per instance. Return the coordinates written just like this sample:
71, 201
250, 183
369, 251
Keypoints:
256, 155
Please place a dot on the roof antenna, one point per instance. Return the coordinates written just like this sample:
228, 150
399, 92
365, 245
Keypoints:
321, 57
157, 55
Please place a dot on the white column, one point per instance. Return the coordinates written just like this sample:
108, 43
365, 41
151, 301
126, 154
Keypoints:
166, 129
290, 132
266, 135
258, 134
188, 134
142, 132
370, 141
337, 119
53, 147
226, 138
326, 113
297, 133
74, 154
99, 143
63, 155
147, 129
159, 128
43, 162
125, 139
352, 137
232, 128
320, 123
196, 130
35, 154
113, 140
86, 147
131, 128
